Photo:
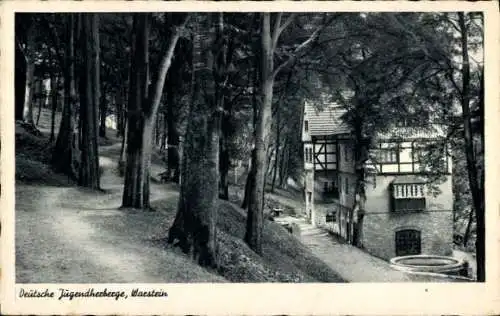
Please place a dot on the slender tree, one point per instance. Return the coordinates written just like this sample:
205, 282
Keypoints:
143, 108
29, 57
268, 71
20, 81
54, 94
63, 156
475, 178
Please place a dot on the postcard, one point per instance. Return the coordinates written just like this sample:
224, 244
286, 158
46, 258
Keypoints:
278, 157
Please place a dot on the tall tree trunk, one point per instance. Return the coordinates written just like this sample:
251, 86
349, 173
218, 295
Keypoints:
276, 150
143, 108
54, 94
173, 158
269, 42
269, 157
28, 95
195, 224
477, 188
123, 151
120, 117
224, 161
29, 75
164, 128
157, 131
40, 99
63, 154
360, 153
468, 228
284, 163
20, 83
103, 109
89, 163
134, 192
249, 183
253, 235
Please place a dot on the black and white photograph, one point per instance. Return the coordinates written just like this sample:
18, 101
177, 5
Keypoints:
273, 146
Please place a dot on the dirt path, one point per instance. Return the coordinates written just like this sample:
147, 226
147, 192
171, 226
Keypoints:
71, 235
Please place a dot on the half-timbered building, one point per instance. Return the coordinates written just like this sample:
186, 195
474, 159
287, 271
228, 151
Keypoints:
404, 213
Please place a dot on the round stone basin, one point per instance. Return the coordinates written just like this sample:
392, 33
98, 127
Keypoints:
429, 263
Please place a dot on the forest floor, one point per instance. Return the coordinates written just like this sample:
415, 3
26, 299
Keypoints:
67, 234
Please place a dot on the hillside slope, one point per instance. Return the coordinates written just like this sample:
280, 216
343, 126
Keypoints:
69, 234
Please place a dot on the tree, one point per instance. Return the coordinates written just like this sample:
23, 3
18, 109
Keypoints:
459, 82
476, 179
28, 65
142, 109
177, 86
194, 227
89, 175
20, 82
63, 156
269, 42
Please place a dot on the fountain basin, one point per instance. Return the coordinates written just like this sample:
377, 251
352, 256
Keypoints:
431, 264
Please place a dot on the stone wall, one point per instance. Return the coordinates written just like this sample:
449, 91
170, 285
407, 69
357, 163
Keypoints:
436, 229
380, 223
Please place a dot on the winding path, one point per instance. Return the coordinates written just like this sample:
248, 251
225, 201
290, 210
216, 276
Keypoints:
72, 235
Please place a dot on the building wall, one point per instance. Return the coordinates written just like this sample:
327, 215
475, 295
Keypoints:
346, 175
309, 192
436, 229
380, 224
377, 195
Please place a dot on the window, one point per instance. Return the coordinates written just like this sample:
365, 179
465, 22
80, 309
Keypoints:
306, 126
309, 197
408, 197
346, 153
387, 155
409, 190
427, 156
431, 157
308, 154
419, 153
346, 186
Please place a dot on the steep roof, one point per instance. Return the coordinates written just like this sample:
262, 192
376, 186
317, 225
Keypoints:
326, 121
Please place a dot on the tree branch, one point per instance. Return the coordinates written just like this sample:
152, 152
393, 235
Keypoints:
299, 50
164, 66
278, 28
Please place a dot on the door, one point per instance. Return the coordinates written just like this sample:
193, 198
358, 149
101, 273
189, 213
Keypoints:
408, 242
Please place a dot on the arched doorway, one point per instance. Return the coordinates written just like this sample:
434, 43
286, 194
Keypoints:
408, 242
